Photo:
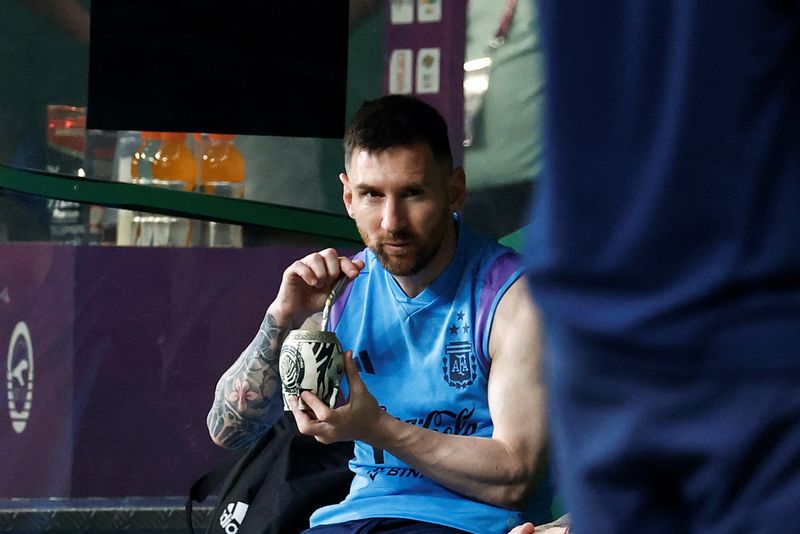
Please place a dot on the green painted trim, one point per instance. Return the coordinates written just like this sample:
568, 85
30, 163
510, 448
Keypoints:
185, 204
516, 239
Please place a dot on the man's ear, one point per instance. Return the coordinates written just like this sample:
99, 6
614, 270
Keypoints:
457, 189
347, 194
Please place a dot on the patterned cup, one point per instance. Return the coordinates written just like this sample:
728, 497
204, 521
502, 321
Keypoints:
311, 360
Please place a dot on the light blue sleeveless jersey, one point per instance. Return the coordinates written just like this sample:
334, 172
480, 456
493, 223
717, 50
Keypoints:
425, 360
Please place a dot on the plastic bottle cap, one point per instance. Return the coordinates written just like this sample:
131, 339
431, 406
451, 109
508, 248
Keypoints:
221, 137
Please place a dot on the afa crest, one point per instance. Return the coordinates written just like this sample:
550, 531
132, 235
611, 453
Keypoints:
459, 364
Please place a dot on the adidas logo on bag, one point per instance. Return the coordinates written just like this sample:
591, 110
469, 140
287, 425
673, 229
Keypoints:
232, 517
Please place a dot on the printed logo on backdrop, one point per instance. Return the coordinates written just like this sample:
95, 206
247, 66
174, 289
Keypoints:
19, 377
232, 517
459, 362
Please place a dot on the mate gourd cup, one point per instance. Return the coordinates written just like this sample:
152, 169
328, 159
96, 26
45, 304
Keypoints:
312, 360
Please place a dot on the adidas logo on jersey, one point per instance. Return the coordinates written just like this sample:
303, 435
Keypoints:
232, 517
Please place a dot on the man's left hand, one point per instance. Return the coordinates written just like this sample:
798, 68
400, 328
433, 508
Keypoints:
357, 419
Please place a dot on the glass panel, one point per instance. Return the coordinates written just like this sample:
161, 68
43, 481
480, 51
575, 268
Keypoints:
33, 218
44, 67
44, 58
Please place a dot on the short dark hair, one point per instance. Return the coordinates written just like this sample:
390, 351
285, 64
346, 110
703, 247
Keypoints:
397, 120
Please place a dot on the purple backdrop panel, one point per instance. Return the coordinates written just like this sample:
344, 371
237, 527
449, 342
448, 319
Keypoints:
129, 344
157, 329
424, 56
36, 310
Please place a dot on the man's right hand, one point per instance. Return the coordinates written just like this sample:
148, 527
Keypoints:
306, 283
559, 526
525, 528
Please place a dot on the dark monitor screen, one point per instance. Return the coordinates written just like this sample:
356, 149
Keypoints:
257, 67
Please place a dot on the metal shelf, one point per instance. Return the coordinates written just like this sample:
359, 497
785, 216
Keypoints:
182, 203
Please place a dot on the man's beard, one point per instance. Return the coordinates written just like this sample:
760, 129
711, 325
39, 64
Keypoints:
416, 259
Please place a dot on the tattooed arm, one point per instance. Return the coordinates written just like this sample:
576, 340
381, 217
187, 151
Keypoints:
248, 399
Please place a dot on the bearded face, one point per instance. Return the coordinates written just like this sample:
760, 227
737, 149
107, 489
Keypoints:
407, 252
402, 202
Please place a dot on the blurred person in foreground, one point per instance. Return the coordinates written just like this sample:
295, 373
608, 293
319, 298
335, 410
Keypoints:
664, 255
445, 400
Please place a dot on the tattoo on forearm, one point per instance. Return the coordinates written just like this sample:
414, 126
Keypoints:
247, 399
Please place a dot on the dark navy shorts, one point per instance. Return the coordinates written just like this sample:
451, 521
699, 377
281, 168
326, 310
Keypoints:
668, 451
383, 524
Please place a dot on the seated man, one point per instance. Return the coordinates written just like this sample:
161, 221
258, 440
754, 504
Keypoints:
447, 409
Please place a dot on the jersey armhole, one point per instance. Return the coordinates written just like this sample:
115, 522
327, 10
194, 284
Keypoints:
501, 274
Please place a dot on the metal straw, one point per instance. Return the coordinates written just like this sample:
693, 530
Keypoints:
332, 296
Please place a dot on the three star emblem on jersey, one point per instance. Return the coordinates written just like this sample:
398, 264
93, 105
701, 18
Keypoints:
459, 362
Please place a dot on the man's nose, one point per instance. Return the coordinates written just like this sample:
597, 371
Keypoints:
393, 218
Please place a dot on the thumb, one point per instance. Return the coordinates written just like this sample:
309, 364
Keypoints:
351, 371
